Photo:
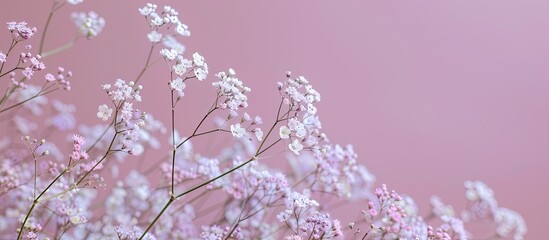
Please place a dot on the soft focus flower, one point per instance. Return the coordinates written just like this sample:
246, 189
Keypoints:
104, 112
90, 24
147, 9
154, 36
170, 54
295, 146
74, 2
20, 29
183, 30
258, 134
198, 60
237, 130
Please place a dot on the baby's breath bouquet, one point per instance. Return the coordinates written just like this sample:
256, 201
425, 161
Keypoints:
61, 180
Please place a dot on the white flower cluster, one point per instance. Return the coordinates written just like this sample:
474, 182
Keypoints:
124, 91
161, 23
168, 16
439, 208
104, 112
183, 67
232, 89
484, 205
304, 128
510, 223
481, 196
90, 24
295, 200
126, 233
132, 120
238, 130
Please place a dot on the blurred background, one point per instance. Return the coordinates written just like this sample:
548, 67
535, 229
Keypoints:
430, 93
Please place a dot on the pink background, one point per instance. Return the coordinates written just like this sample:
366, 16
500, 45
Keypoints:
431, 93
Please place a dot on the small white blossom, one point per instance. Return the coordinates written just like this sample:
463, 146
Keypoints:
173, 18
258, 134
171, 42
198, 59
311, 109
2, 57
154, 36
148, 9
74, 2
180, 69
177, 84
295, 146
157, 21
285, 132
200, 74
237, 130
90, 24
284, 215
170, 54
183, 29
104, 112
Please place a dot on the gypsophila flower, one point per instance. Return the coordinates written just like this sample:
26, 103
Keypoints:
183, 30
20, 29
258, 134
439, 208
90, 24
233, 90
123, 91
483, 203
52, 192
200, 73
284, 132
148, 9
77, 150
172, 43
104, 112
154, 36
510, 223
198, 60
125, 233
169, 54
177, 84
181, 68
237, 130
295, 146
75, 2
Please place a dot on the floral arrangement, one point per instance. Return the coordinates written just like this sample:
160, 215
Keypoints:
72, 188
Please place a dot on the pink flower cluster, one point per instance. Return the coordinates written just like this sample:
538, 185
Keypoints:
77, 148
19, 30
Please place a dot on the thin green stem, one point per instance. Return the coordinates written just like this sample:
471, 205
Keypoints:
259, 150
12, 45
48, 20
157, 217
28, 99
59, 49
35, 202
174, 151
146, 65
